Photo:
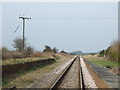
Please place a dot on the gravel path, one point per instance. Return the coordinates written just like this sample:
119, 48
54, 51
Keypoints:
110, 79
71, 78
47, 80
88, 80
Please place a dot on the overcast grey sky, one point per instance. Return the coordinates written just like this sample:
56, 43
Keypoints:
88, 27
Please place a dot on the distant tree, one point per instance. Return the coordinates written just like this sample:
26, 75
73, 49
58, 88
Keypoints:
29, 50
102, 53
18, 44
108, 50
47, 49
55, 50
63, 52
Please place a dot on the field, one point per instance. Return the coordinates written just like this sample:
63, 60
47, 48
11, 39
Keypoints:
26, 77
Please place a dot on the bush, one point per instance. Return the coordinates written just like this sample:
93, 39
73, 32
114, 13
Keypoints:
11, 55
6, 53
37, 54
18, 44
113, 56
55, 50
112, 52
102, 53
28, 52
47, 49
63, 52
16, 55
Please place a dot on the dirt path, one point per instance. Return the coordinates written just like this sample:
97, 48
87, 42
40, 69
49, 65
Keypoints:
109, 78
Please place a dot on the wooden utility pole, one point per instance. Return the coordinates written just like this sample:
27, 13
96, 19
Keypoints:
23, 18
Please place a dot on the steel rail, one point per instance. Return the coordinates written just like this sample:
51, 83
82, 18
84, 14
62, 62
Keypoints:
54, 85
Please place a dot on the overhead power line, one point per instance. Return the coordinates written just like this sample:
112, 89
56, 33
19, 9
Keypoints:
13, 34
16, 29
73, 18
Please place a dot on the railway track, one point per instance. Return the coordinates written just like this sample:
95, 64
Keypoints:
74, 76
69, 75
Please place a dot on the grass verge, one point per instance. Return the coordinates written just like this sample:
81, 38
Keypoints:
9, 80
16, 61
102, 62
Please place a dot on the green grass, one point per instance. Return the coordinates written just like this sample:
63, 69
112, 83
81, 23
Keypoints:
103, 63
0, 62
23, 60
6, 81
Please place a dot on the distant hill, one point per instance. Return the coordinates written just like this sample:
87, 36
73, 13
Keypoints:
76, 52
92, 53
81, 53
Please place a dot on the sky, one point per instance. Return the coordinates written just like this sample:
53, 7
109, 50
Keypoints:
69, 26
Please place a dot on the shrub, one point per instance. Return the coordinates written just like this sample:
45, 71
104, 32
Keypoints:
6, 53
28, 52
47, 49
113, 56
37, 54
55, 50
112, 52
18, 44
63, 52
102, 53
16, 54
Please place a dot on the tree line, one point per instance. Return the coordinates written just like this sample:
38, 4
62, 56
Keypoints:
112, 52
28, 50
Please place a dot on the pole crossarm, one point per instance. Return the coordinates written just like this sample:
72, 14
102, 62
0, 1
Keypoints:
24, 17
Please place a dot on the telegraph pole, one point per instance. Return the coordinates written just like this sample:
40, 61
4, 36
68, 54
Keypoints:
24, 18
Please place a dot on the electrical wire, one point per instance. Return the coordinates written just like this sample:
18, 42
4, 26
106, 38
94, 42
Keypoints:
70, 18
13, 34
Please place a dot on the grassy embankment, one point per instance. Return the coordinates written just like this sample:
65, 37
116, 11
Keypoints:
109, 57
26, 77
23, 60
101, 61
35, 57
